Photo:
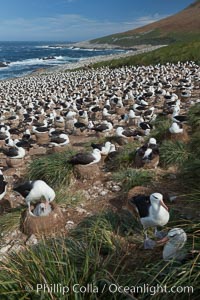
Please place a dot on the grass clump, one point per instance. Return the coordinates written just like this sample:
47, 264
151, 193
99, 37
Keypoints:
173, 153
82, 258
10, 221
194, 144
190, 174
54, 169
92, 254
96, 232
65, 196
162, 125
130, 178
104, 230
194, 117
56, 261
96, 253
172, 275
123, 158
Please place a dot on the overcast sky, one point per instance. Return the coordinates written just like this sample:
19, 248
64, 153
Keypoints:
76, 20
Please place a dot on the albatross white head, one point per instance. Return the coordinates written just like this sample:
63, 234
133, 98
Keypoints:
119, 131
96, 153
106, 148
156, 199
152, 141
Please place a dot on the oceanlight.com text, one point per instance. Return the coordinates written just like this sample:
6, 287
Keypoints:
62, 289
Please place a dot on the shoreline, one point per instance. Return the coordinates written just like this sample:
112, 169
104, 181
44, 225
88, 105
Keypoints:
85, 62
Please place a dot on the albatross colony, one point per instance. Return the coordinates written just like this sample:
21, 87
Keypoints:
77, 100
51, 109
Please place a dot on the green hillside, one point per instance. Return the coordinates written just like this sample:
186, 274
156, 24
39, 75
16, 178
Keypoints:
173, 53
183, 26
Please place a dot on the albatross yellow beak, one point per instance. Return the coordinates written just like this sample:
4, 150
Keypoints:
164, 205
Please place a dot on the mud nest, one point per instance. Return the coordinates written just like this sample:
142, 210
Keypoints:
43, 224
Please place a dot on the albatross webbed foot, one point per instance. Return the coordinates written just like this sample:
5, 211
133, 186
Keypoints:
149, 244
160, 234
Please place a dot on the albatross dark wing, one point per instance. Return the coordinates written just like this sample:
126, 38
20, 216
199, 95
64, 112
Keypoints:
142, 203
24, 189
142, 150
97, 146
82, 159
100, 128
57, 140
128, 132
11, 152
2, 186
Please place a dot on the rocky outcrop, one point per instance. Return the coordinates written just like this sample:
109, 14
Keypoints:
48, 58
3, 64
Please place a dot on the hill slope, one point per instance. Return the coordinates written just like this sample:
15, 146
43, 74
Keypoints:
182, 26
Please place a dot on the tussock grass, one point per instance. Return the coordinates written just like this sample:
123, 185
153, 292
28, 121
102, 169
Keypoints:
53, 169
171, 275
106, 227
162, 125
120, 224
66, 197
87, 256
194, 196
194, 145
173, 153
93, 253
96, 232
55, 261
194, 116
133, 177
123, 158
190, 174
10, 221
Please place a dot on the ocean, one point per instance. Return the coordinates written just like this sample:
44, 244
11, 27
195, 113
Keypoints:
22, 58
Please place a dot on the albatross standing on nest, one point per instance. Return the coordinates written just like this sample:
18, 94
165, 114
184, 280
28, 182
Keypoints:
152, 212
34, 190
